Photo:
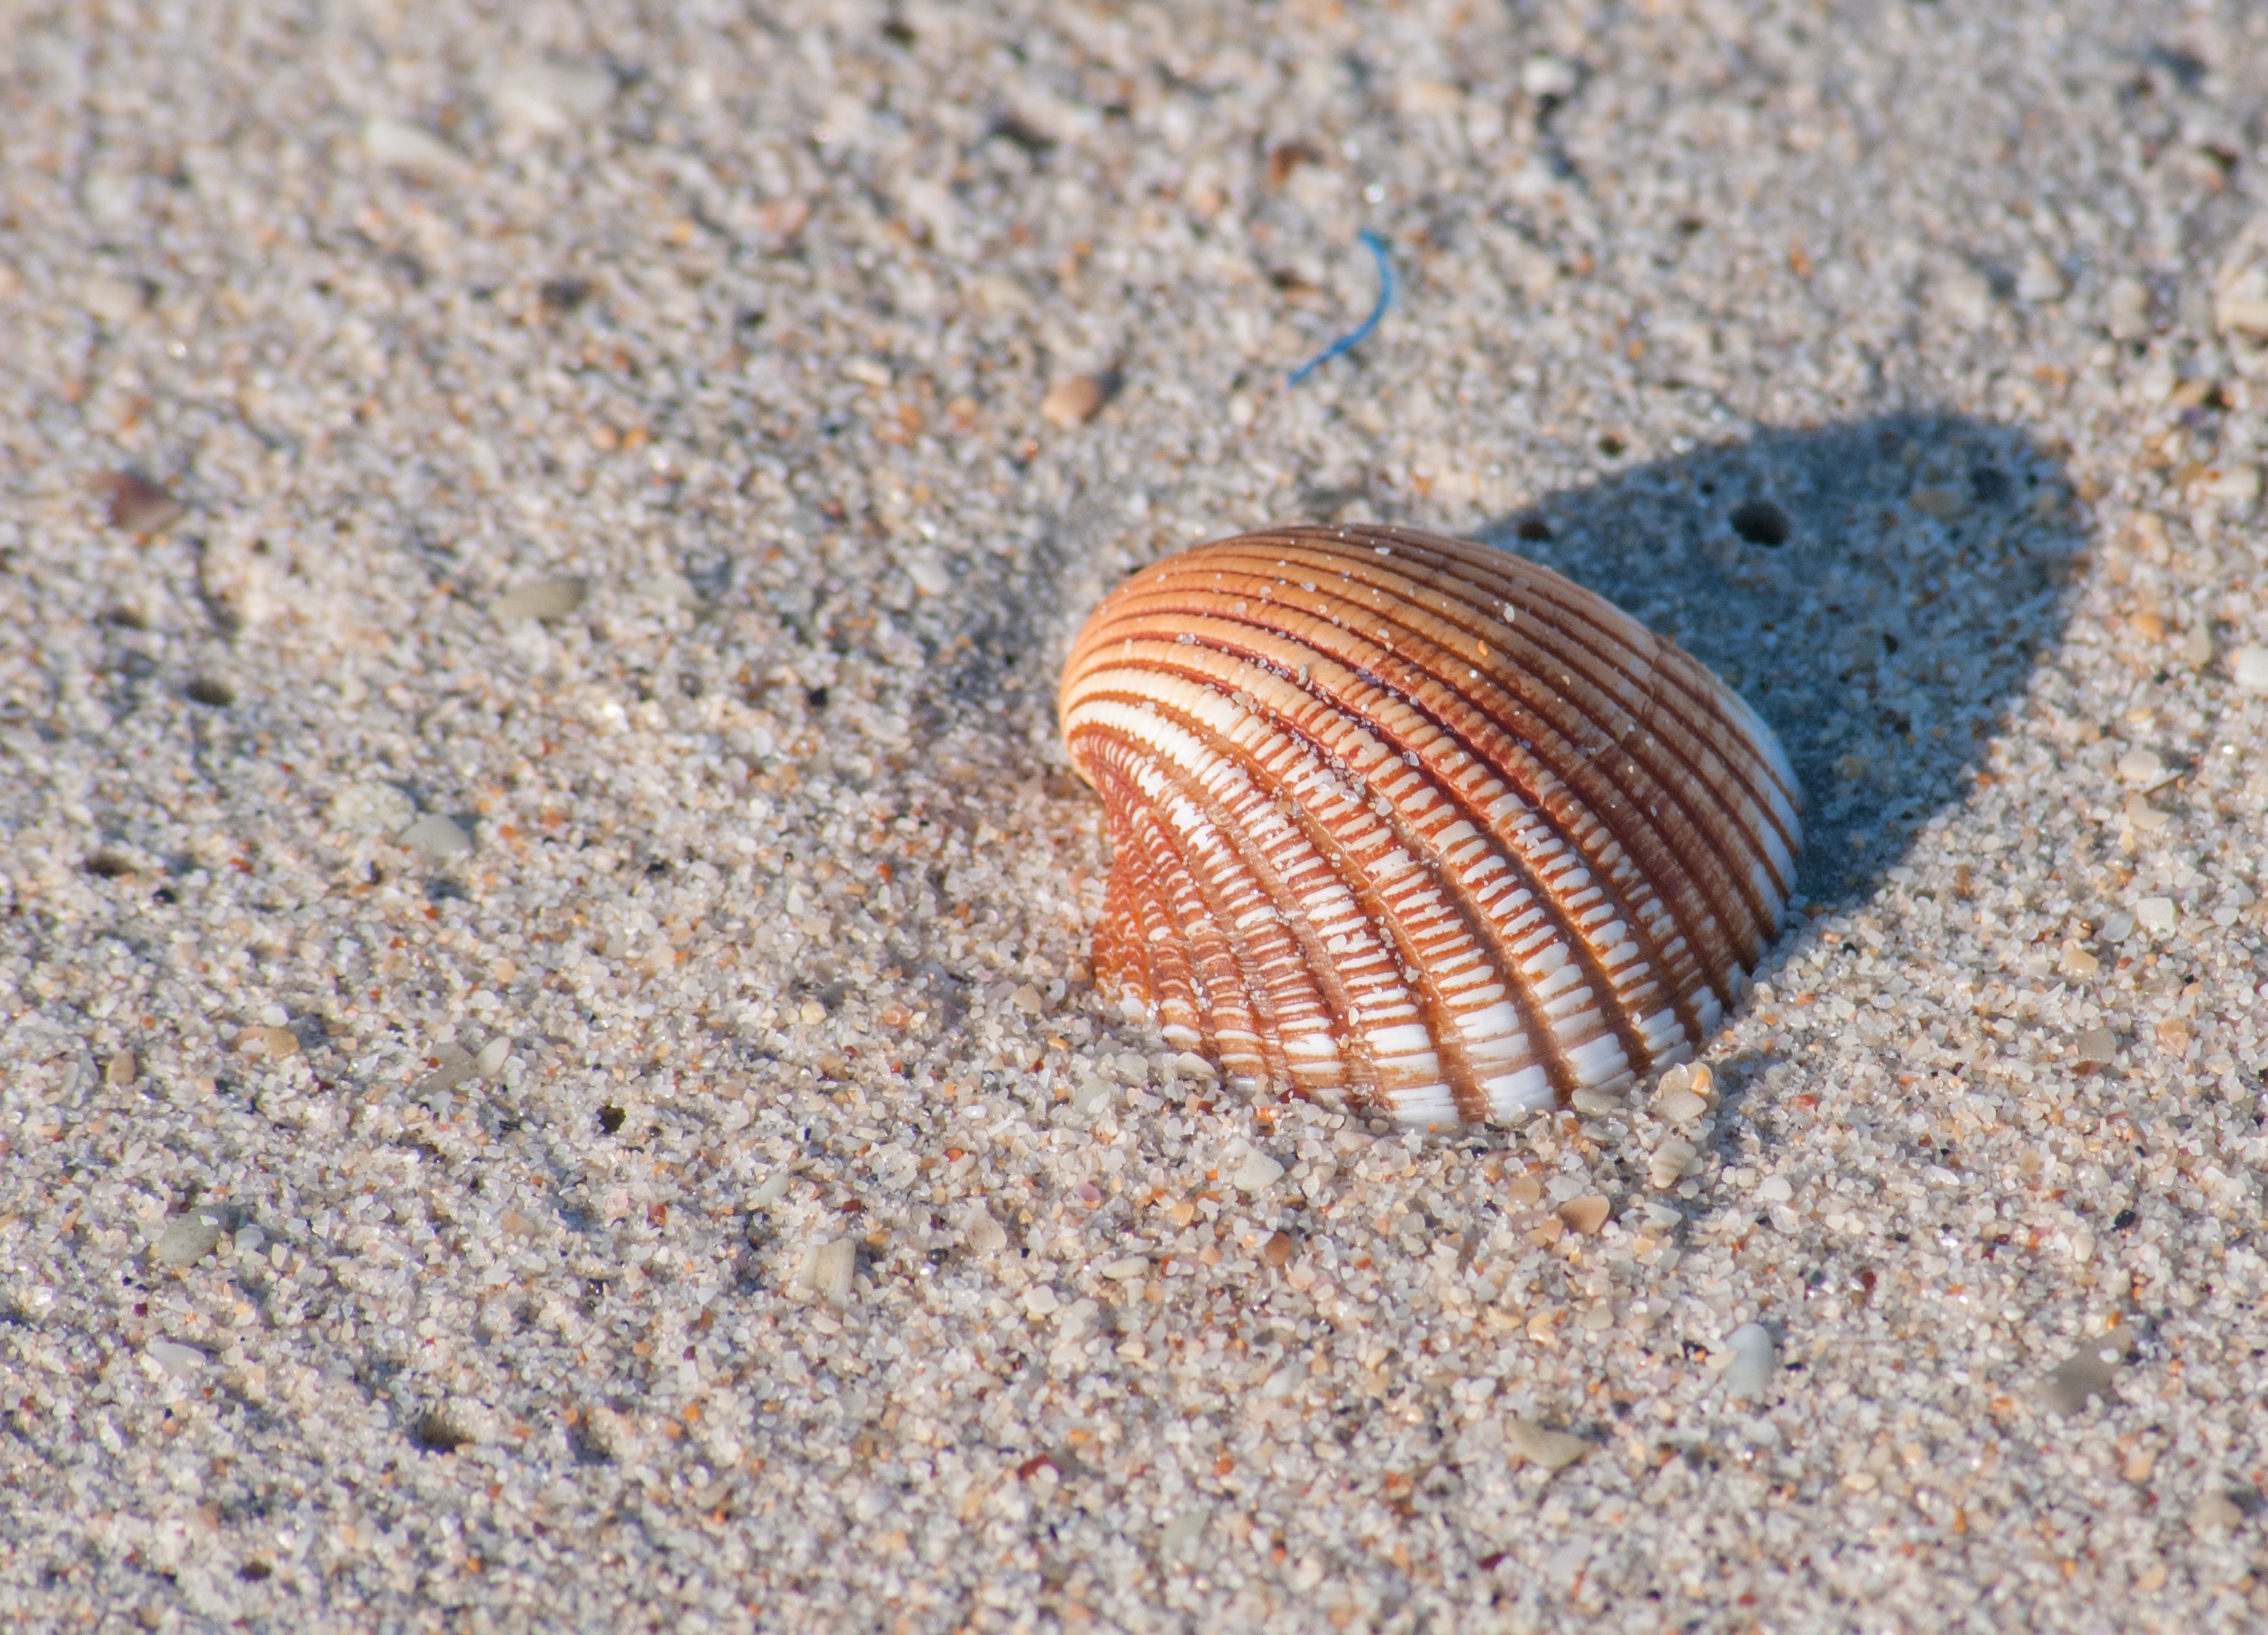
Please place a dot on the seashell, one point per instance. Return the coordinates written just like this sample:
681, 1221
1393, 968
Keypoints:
1414, 827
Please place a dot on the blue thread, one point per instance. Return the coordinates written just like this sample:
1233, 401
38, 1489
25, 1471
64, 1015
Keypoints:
1355, 337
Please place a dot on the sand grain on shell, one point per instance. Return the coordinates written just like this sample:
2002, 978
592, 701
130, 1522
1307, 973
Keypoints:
693, 1182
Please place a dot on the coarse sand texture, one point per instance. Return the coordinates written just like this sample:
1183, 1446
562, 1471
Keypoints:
552, 1074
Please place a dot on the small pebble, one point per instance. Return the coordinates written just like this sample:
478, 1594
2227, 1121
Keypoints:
1040, 1300
138, 506
1672, 1162
269, 1041
1279, 1248
1966, 297
772, 1188
2098, 1047
828, 1271
1774, 1189
121, 1070
550, 97
1074, 401
544, 600
1596, 1103
1554, 1450
2087, 1372
190, 1237
1944, 505
2041, 280
2126, 309
373, 807
2155, 914
490, 1059
2117, 927
929, 573
1121, 1270
2248, 667
1092, 1093
1546, 75
437, 837
183, 1362
986, 1235
1189, 1065
2214, 1512
2241, 304
2143, 817
1256, 1171
249, 1238
453, 1065
1585, 1215
113, 301
1755, 1364
1680, 1106
398, 145
2142, 766
668, 589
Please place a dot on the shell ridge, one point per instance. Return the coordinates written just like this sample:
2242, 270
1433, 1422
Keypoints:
1721, 886
1544, 865
1348, 1070
1373, 913
1666, 847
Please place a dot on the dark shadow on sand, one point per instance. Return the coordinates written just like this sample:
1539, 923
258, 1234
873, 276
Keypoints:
1919, 570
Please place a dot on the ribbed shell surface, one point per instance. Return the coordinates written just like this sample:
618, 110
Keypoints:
1417, 827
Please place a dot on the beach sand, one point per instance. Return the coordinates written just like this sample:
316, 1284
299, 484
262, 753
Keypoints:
552, 1078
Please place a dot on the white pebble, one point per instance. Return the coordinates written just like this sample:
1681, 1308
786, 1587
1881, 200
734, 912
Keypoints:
772, 1188
249, 1238
2142, 766
550, 97
491, 1056
1121, 1270
398, 145
1547, 76
1755, 1361
437, 837
2041, 280
2249, 667
1774, 1189
929, 573
827, 1269
181, 1361
1256, 1171
113, 301
2155, 914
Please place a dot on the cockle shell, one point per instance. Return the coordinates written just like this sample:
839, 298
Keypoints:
1416, 827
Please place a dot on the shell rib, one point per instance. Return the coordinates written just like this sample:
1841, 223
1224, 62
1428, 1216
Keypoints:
1416, 827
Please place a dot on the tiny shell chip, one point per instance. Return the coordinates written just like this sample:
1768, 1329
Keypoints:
1257, 1171
1415, 827
1554, 1450
373, 807
398, 145
437, 837
188, 1237
138, 506
550, 97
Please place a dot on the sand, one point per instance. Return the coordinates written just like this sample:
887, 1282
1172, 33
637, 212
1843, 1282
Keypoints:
552, 1077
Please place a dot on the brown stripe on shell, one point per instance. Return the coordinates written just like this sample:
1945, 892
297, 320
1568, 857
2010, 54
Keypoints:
1418, 826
